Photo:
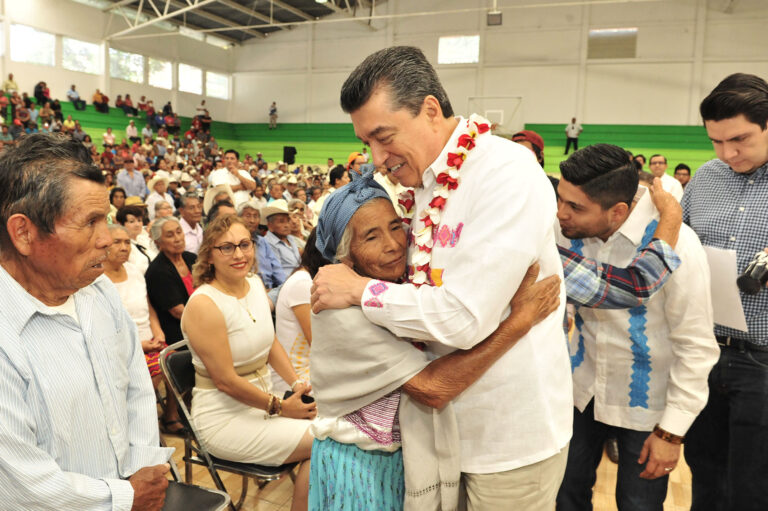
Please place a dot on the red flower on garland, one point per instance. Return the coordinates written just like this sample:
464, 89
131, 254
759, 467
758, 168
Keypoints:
482, 128
455, 160
437, 202
466, 141
445, 179
406, 203
427, 221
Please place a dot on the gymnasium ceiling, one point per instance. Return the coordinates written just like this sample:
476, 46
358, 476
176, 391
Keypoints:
235, 21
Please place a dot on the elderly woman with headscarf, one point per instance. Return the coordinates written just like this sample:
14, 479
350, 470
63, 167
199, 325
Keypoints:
376, 392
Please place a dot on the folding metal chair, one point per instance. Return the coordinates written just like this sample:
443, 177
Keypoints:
176, 364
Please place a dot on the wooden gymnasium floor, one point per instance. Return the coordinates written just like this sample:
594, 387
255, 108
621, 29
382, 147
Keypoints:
276, 496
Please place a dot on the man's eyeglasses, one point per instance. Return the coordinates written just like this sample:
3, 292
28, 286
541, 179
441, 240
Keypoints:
228, 249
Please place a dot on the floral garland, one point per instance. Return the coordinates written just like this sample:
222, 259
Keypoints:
447, 180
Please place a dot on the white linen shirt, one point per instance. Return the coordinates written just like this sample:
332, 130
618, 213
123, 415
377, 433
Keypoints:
193, 237
76, 401
673, 186
223, 175
499, 221
649, 364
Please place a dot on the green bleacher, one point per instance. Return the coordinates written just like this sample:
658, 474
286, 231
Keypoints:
680, 144
316, 142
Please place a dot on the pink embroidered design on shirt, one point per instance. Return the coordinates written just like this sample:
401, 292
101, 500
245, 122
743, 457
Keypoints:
376, 289
444, 235
456, 233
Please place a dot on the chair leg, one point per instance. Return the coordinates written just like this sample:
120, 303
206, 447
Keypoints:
187, 463
243, 493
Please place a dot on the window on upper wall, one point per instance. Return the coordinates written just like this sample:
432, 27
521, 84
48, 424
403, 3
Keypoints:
612, 43
160, 73
190, 79
460, 49
126, 66
216, 85
81, 56
31, 45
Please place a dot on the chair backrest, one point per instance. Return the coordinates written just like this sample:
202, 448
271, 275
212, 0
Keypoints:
176, 365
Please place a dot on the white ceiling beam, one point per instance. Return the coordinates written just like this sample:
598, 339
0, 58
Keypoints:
138, 26
245, 10
335, 8
217, 19
296, 12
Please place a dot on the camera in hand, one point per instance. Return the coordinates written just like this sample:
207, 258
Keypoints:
304, 398
755, 276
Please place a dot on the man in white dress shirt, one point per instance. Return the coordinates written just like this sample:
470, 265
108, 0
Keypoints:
639, 374
658, 167
240, 180
78, 424
515, 421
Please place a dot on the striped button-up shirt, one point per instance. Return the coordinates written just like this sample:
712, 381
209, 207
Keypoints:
728, 210
77, 408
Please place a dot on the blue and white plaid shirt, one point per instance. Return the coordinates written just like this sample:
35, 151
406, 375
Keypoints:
729, 210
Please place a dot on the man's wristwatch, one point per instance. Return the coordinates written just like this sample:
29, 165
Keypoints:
667, 436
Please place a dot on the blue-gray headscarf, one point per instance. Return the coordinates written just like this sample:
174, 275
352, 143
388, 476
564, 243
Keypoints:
339, 208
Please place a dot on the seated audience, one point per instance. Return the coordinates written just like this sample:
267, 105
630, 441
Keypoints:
46, 113
228, 324
132, 132
269, 268
132, 289
169, 276
108, 138
683, 174
191, 213
293, 312
284, 245
143, 250
159, 192
128, 108
100, 102
74, 97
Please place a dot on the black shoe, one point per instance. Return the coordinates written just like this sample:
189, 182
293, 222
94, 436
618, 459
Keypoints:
612, 449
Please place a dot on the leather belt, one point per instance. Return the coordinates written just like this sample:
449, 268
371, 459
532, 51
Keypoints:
739, 344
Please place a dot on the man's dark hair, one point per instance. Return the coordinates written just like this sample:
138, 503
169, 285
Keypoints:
214, 211
639, 155
405, 71
122, 213
657, 156
35, 180
603, 173
312, 259
237, 155
738, 94
683, 166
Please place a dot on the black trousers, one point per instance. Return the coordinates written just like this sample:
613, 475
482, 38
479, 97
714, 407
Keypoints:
574, 141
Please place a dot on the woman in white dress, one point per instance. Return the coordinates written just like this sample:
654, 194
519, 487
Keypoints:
228, 324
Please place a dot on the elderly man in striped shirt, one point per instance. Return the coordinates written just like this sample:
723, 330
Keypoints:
77, 410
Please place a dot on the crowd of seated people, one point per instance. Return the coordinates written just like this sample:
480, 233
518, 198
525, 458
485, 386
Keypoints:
206, 246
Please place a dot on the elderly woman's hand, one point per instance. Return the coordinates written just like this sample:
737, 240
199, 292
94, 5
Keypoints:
533, 300
337, 286
295, 408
